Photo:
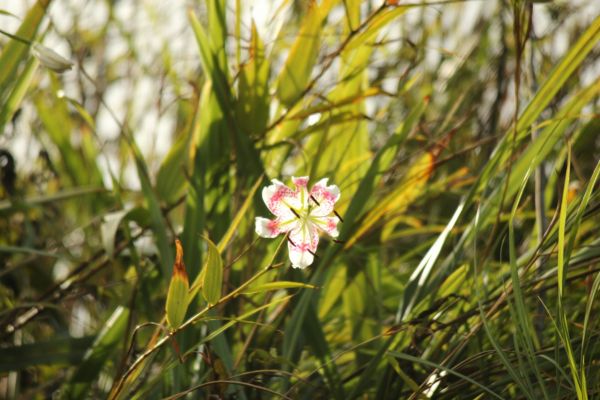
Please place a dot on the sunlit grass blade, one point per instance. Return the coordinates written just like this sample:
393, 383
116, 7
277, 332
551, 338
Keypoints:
298, 67
15, 51
562, 322
17, 93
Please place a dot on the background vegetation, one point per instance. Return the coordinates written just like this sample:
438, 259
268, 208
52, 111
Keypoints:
464, 137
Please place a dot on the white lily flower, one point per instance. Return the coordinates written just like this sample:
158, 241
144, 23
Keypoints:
302, 213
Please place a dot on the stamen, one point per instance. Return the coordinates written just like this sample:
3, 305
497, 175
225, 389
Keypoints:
290, 240
295, 213
339, 241
338, 215
315, 200
314, 255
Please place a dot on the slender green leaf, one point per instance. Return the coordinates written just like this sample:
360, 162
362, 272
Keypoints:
265, 287
212, 274
15, 51
177, 295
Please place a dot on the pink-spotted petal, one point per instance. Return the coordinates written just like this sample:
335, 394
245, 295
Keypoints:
266, 228
300, 181
328, 225
279, 199
323, 196
302, 245
269, 228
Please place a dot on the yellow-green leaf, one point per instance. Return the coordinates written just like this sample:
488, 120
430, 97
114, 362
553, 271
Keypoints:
374, 26
252, 106
455, 283
265, 287
170, 179
16, 51
212, 274
21, 85
177, 297
400, 198
298, 67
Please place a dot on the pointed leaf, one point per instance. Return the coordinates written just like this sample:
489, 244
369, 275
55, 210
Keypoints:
265, 287
407, 191
170, 179
212, 274
298, 67
177, 296
16, 51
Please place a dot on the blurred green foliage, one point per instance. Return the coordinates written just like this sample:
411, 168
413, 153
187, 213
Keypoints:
463, 137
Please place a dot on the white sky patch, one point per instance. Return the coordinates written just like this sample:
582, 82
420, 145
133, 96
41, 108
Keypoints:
80, 320
268, 15
313, 119
106, 126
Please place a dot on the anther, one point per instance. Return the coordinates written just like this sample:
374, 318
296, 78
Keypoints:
338, 215
315, 200
295, 213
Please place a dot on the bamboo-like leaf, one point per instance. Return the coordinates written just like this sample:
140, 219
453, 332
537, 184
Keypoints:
539, 149
177, 296
212, 274
455, 283
241, 213
252, 106
380, 20
247, 157
556, 79
400, 198
559, 75
170, 179
16, 51
301, 59
225, 240
156, 216
17, 93
265, 287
